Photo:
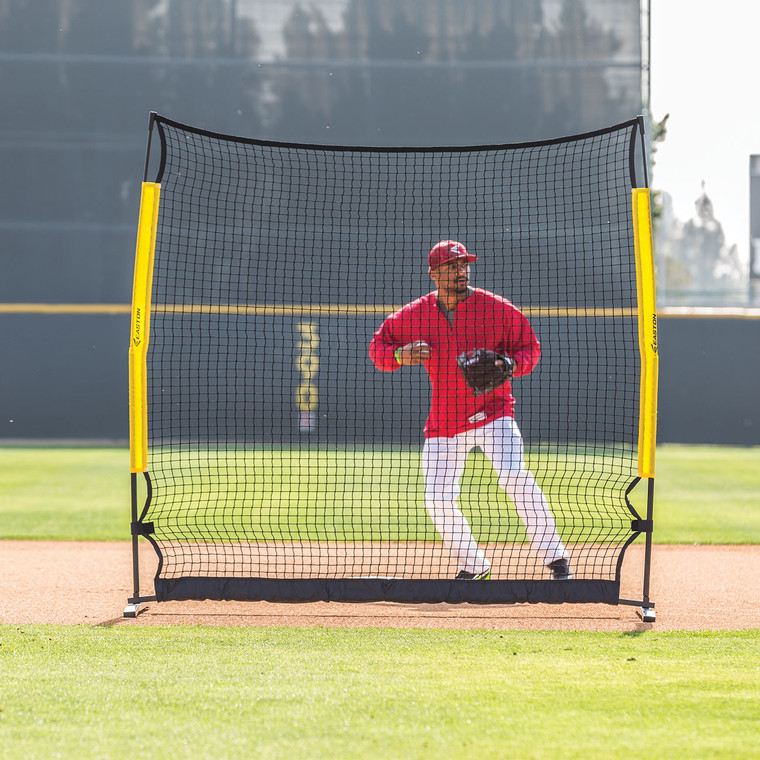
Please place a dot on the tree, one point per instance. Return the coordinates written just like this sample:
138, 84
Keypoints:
443, 72
694, 256
579, 86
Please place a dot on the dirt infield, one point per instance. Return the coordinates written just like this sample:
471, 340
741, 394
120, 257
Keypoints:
693, 587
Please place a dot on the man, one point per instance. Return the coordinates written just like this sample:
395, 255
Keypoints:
433, 331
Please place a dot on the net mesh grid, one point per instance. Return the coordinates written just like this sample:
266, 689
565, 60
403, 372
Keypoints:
276, 448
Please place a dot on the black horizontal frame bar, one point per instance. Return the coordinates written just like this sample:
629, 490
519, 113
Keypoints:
158, 120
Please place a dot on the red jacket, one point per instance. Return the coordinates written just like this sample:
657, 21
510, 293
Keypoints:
483, 320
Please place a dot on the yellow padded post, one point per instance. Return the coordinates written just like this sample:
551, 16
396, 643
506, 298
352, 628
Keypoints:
140, 332
647, 316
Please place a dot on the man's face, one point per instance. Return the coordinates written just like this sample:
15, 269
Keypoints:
452, 277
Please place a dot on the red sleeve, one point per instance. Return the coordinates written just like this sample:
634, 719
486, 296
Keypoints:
385, 341
521, 343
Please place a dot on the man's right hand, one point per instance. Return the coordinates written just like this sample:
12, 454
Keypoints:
414, 353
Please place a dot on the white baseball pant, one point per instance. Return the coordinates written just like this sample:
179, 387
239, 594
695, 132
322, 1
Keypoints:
443, 462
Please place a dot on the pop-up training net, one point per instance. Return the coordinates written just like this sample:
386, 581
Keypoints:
280, 462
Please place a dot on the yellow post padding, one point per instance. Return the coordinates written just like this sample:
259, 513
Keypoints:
647, 315
138, 344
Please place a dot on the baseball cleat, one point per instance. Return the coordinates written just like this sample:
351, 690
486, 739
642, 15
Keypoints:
465, 576
560, 570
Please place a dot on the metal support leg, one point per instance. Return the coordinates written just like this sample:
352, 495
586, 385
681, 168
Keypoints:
647, 610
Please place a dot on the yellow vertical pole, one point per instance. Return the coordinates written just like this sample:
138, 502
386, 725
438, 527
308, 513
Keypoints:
140, 329
647, 313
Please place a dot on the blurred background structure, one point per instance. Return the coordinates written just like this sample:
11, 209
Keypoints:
78, 79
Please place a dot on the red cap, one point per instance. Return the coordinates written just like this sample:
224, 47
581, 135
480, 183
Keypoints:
447, 250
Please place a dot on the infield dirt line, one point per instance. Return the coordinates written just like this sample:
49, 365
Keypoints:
60, 582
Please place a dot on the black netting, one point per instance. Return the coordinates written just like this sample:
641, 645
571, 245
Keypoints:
278, 451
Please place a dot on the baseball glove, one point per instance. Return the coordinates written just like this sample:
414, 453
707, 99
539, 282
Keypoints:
484, 370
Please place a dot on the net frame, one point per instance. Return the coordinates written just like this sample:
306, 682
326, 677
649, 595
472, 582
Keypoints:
348, 586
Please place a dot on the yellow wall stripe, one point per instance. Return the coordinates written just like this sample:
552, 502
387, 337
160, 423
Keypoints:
298, 310
140, 332
65, 308
690, 312
647, 312
282, 310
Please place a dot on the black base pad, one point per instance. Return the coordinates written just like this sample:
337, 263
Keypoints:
407, 591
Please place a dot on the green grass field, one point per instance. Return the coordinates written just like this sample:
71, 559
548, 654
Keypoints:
205, 692
190, 692
704, 494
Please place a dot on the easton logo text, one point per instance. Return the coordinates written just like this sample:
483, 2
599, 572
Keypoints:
137, 339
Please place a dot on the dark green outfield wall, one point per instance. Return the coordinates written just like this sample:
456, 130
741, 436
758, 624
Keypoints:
65, 377
709, 380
